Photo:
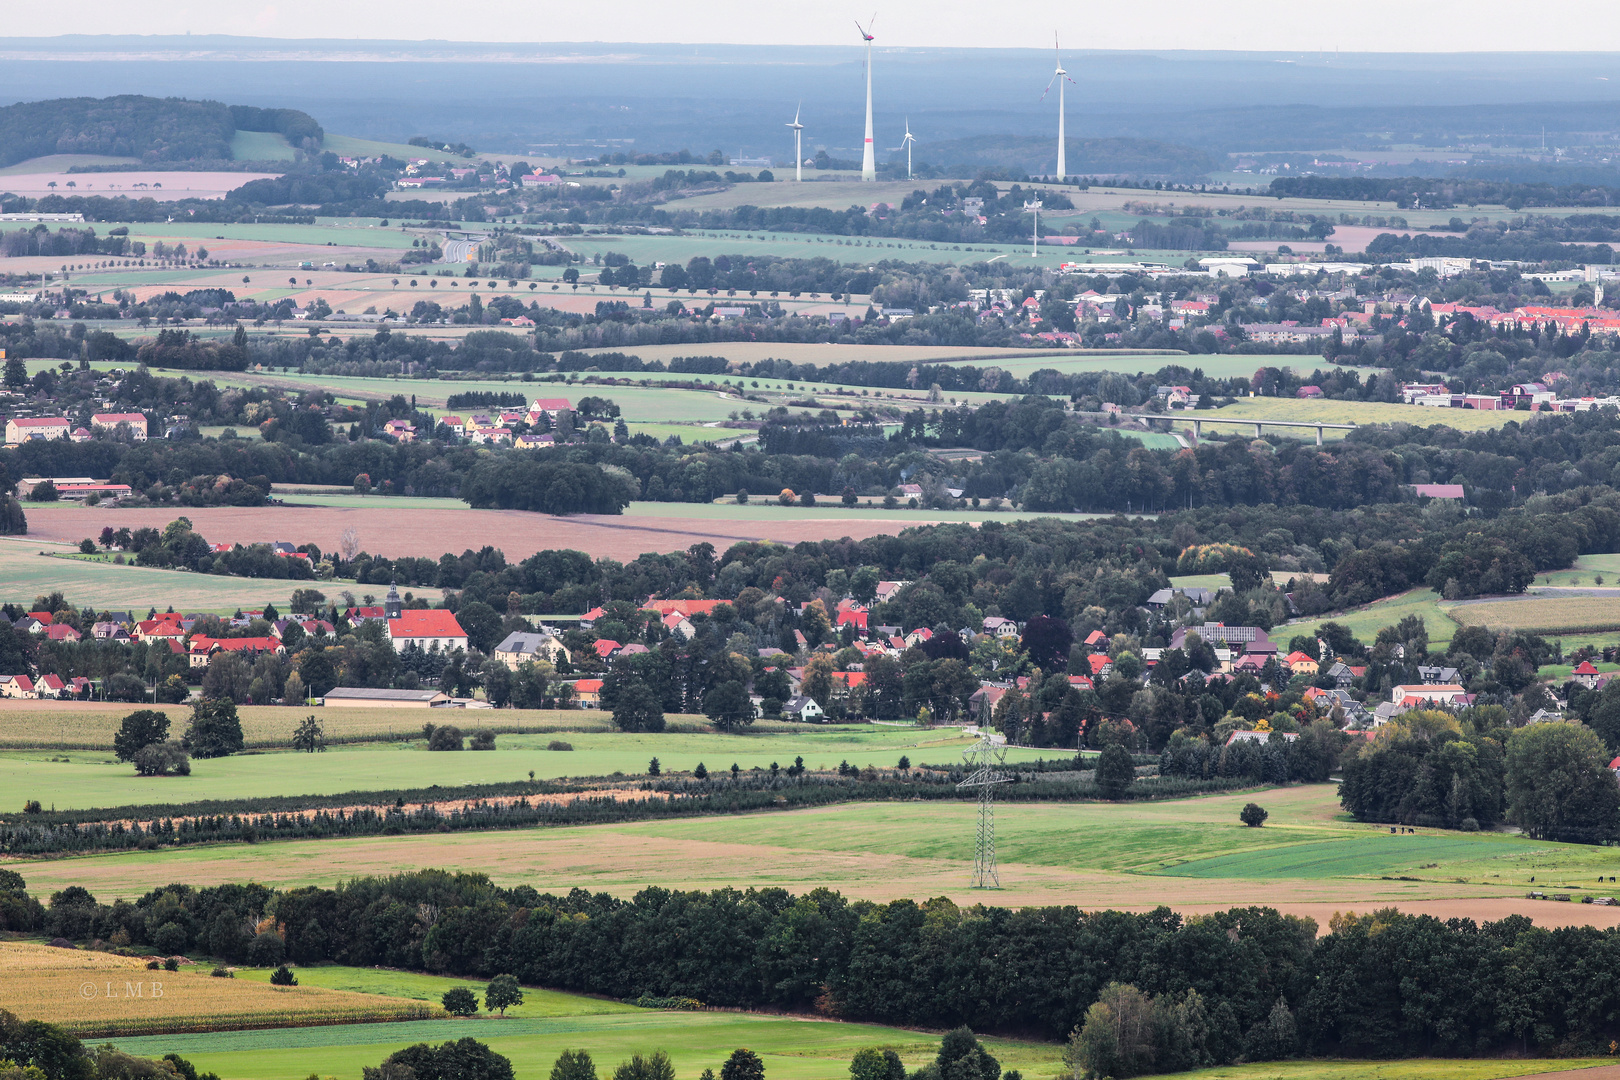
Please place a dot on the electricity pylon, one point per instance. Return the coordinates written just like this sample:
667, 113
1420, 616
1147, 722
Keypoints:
985, 758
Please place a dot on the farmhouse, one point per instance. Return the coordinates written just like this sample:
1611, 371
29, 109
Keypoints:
392, 699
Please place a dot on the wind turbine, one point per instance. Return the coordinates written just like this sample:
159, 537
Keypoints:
1060, 77
905, 144
868, 160
798, 146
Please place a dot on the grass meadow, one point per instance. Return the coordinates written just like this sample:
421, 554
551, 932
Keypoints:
1355, 412
27, 573
1189, 853
792, 1048
1365, 622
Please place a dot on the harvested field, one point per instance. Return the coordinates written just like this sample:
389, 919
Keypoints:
162, 186
429, 532
91, 725
97, 995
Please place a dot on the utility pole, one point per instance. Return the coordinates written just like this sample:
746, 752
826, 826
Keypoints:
985, 756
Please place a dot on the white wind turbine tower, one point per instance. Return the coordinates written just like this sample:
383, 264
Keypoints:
798, 146
868, 160
1060, 77
905, 144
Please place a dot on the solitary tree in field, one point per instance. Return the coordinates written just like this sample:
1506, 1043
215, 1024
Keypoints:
460, 1002
140, 729
743, 1065
573, 1065
310, 736
503, 992
1253, 815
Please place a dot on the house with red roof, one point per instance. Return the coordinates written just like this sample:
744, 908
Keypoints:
426, 627
357, 615
164, 626
1301, 663
202, 649
851, 614
547, 407
49, 686
34, 428
62, 632
108, 422
588, 693
16, 686
1097, 640
42, 617
1101, 665
606, 647
1585, 674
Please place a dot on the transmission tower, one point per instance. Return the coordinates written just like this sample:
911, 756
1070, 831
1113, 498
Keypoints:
984, 758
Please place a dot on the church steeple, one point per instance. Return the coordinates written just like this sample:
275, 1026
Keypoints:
392, 605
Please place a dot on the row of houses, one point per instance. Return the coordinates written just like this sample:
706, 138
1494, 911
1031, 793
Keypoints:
42, 428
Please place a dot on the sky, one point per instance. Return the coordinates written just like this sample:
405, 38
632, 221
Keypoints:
1264, 25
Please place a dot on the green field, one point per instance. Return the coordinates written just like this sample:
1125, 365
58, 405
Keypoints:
82, 779
1178, 852
537, 1004
27, 574
1355, 412
790, 1047
1365, 622
261, 146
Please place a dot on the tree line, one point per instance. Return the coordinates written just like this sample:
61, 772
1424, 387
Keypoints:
1247, 982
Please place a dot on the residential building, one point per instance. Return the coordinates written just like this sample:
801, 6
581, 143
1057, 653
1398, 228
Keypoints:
202, 649
34, 428
1301, 663
588, 693
1585, 674
802, 708
519, 648
16, 686
107, 423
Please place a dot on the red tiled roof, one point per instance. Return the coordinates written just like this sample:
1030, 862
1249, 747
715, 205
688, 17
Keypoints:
425, 622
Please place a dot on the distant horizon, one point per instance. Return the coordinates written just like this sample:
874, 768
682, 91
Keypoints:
1181, 25
12, 43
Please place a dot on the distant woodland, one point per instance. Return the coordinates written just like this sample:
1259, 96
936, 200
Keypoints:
152, 129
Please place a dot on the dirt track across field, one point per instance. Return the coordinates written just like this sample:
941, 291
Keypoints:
432, 532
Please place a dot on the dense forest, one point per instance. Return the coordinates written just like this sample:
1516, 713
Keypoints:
1258, 984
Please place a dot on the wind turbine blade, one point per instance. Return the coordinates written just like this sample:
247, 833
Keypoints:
1048, 89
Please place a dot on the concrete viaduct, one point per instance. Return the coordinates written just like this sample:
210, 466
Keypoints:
1199, 422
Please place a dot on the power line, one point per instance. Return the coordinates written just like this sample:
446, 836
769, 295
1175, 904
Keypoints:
986, 757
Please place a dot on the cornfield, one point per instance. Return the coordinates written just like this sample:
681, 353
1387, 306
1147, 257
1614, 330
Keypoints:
98, 995
1543, 615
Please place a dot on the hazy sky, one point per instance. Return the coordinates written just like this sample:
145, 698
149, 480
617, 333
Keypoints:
1285, 25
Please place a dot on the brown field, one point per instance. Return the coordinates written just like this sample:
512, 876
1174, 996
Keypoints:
1543, 615
116, 995
91, 725
429, 532
173, 185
